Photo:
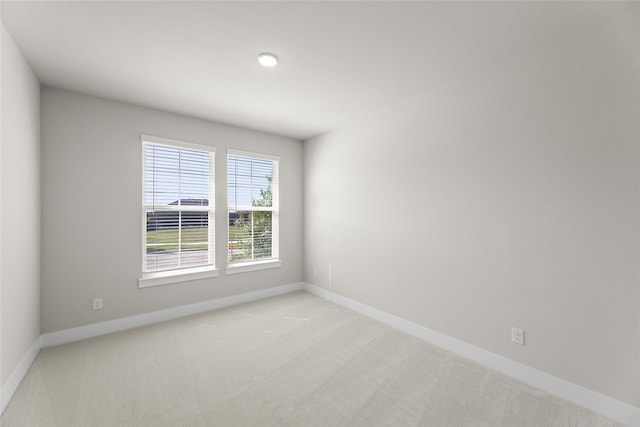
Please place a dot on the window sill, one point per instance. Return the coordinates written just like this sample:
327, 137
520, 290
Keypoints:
176, 276
253, 266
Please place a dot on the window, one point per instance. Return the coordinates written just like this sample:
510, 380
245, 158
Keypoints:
178, 207
253, 209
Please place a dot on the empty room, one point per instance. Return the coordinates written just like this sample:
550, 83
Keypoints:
320, 213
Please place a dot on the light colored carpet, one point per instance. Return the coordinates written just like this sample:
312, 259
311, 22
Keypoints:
294, 360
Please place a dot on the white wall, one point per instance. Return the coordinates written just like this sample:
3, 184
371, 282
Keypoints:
20, 202
508, 198
92, 223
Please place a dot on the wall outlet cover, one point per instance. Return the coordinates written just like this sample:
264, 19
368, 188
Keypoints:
517, 336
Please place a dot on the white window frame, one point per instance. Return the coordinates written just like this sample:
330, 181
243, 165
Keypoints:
274, 261
182, 274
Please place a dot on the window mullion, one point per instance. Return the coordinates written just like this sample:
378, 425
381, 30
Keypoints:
180, 208
212, 204
253, 237
253, 230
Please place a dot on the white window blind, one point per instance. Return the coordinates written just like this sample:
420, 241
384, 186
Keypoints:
252, 206
178, 204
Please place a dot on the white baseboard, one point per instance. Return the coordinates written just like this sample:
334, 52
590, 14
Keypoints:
110, 326
607, 406
11, 385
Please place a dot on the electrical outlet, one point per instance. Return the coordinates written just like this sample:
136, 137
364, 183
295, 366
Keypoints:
97, 303
517, 336
315, 273
330, 275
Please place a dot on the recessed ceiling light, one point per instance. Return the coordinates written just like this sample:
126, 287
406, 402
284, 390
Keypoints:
268, 59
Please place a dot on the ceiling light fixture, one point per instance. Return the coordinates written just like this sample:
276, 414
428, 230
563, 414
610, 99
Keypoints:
268, 59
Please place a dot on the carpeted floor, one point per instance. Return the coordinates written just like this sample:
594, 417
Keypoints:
294, 360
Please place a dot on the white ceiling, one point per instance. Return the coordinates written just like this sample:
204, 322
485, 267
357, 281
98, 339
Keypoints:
338, 59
